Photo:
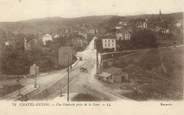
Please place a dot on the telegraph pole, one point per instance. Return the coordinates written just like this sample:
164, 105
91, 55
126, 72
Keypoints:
68, 81
96, 47
68, 56
36, 79
96, 61
68, 88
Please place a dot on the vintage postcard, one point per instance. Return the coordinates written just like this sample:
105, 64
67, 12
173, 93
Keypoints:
119, 57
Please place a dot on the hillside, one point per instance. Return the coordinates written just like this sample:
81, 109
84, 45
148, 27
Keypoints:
155, 73
52, 24
55, 24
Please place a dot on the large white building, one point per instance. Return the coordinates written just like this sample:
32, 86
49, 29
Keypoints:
109, 43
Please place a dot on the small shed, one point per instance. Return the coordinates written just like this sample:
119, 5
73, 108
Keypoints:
117, 75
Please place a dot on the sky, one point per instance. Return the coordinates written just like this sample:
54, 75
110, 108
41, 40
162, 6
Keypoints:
15, 10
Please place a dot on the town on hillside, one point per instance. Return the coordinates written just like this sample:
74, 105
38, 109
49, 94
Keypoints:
93, 58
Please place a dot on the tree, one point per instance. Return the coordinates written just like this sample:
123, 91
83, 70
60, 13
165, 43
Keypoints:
144, 39
14, 62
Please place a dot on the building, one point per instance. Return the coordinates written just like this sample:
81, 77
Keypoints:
46, 38
109, 43
27, 45
30, 44
165, 31
117, 75
79, 42
65, 56
141, 23
178, 24
124, 35
123, 31
113, 75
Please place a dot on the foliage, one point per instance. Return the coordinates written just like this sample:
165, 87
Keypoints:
16, 60
144, 39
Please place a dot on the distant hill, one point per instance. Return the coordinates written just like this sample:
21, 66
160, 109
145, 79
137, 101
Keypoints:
55, 24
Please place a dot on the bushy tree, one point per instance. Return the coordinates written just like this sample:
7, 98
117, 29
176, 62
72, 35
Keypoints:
144, 39
14, 62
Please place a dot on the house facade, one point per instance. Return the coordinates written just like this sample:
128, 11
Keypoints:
123, 31
79, 42
109, 43
125, 35
141, 23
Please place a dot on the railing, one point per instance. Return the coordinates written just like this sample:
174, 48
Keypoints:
115, 54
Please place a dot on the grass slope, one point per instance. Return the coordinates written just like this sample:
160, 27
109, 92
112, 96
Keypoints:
155, 73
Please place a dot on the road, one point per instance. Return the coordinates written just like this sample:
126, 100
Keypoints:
86, 83
51, 84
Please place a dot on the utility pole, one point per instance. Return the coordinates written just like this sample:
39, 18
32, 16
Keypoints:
96, 47
68, 88
96, 61
68, 96
18, 82
35, 81
68, 53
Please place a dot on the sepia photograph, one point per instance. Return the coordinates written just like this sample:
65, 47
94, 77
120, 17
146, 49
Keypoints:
91, 50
